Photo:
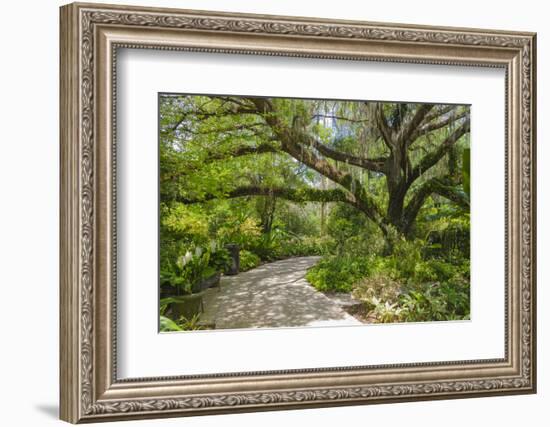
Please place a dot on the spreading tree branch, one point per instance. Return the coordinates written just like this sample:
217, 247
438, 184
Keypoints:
408, 128
430, 159
444, 186
431, 126
342, 118
297, 143
293, 194
376, 165
382, 125
439, 112
241, 150
237, 151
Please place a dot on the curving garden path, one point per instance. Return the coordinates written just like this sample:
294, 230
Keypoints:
272, 295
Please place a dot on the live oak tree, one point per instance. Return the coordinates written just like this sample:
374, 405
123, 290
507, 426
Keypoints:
230, 147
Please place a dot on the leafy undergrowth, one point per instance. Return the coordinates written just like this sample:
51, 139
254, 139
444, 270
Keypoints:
182, 324
248, 260
404, 286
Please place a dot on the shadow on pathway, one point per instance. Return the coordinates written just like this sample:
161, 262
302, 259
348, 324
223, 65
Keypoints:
272, 295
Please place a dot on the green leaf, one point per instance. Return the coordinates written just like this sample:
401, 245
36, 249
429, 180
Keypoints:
168, 325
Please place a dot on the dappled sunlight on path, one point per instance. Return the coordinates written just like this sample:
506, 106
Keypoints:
272, 295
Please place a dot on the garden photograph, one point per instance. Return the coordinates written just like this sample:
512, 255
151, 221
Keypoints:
286, 212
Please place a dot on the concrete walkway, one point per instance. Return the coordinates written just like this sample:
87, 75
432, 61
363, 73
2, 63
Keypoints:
272, 295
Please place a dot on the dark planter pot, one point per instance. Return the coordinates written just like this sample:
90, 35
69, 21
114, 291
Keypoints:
210, 282
233, 250
167, 290
187, 306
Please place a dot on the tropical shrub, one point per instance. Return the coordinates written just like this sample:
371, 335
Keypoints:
182, 324
168, 325
347, 227
242, 230
424, 306
402, 286
386, 312
307, 246
445, 230
372, 290
219, 257
269, 246
338, 274
190, 324
187, 270
248, 260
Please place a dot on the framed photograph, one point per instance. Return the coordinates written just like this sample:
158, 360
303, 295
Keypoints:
266, 212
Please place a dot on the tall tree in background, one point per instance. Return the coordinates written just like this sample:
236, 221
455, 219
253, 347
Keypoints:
403, 146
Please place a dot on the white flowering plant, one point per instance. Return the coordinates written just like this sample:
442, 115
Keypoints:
195, 265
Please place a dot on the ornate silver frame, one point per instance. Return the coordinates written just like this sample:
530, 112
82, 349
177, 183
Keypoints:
90, 35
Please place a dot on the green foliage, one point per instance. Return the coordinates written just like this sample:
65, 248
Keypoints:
402, 286
406, 260
190, 324
279, 245
347, 221
376, 289
240, 231
168, 325
306, 246
185, 223
338, 274
188, 270
248, 260
165, 303
182, 324
269, 244
387, 300
386, 312
219, 257
437, 302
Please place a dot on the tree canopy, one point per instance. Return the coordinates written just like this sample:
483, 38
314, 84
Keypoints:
384, 159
